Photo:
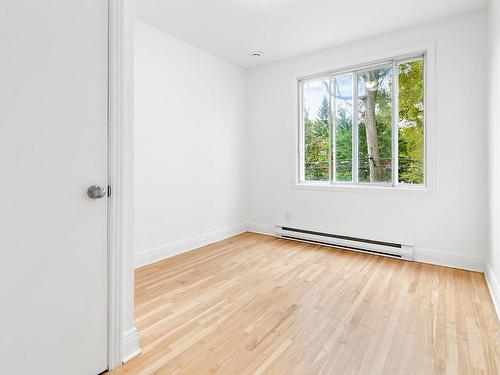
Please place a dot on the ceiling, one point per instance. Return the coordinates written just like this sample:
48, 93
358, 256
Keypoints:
285, 28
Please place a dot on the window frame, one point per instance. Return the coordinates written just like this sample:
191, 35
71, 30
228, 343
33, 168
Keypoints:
424, 54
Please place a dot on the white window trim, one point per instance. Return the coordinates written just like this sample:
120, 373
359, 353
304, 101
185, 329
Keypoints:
428, 50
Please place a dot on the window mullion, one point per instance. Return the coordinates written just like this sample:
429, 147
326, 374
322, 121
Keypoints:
355, 134
331, 104
301, 135
395, 117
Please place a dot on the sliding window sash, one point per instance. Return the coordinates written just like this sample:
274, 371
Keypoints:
397, 62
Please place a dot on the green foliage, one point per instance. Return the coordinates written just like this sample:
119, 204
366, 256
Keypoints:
316, 137
411, 122
343, 145
324, 111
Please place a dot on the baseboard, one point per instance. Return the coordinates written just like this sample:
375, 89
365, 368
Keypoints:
131, 347
446, 259
493, 286
440, 258
169, 250
261, 228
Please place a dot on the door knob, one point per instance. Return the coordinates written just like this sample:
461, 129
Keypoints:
96, 192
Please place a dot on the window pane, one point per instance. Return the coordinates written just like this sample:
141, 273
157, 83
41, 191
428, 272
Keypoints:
342, 116
375, 125
316, 130
411, 122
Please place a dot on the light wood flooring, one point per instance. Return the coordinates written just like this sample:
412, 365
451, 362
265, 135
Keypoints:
255, 304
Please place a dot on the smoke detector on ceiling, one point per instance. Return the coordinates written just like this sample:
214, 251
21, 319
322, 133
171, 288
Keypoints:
256, 54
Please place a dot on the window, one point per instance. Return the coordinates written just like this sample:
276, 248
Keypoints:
364, 125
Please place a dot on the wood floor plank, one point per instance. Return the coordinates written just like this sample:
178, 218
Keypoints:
255, 304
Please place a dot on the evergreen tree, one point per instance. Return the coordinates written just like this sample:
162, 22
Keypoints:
324, 111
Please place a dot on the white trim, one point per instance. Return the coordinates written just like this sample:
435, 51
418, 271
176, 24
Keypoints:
395, 124
362, 188
493, 286
156, 254
261, 229
130, 345
437, 257
120, 204
363, 61
298, 168
354, 133
332, 136
449, 259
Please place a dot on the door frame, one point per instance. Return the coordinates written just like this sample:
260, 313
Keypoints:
122, 335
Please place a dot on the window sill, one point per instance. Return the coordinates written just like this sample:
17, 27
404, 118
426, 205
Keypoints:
362, 188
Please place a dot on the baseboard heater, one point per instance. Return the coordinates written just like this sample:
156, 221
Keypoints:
388, 249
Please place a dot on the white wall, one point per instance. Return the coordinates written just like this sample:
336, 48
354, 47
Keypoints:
448, 225
493, 269
189, 146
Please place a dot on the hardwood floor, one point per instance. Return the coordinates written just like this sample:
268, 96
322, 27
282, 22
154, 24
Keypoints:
255, 304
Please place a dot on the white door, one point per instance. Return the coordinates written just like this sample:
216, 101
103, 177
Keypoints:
53, 145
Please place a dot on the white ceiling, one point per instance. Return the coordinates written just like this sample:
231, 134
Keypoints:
286, 28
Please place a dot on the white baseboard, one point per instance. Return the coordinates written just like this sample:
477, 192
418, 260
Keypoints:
261, 228
146, 257
440, 258
448, 259
131, 347
493, 286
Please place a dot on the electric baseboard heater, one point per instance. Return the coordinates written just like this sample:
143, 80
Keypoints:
388, 249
